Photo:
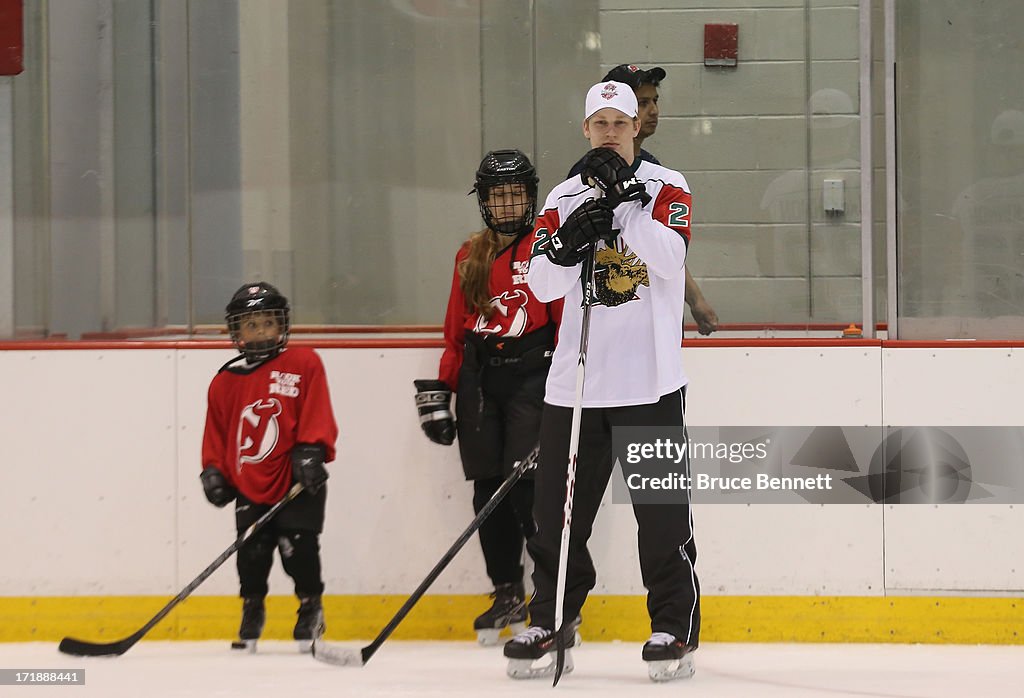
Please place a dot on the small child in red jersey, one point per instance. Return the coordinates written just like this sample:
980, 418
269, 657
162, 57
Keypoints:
269, 424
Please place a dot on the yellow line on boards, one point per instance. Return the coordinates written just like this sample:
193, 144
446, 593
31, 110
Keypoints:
901, 619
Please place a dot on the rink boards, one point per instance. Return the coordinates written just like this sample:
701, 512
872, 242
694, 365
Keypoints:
106, 518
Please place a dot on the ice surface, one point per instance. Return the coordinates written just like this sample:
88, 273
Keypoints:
456, 669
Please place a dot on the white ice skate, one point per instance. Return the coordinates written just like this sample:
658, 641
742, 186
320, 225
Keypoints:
534, 644
668, 658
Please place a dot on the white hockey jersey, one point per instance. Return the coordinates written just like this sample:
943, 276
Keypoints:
636, 319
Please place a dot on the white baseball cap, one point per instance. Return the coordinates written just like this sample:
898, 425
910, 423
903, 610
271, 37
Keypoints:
617, 95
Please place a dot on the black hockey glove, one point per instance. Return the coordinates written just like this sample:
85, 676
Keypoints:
218, 492
434, 403
591, 221
308, 466
608, 171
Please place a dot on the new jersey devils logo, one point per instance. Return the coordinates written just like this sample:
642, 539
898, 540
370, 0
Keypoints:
510, 318
258, 431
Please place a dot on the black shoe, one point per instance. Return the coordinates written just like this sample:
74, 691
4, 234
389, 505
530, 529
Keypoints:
536, 641
254, 615
665, 647
310, 622
509, 607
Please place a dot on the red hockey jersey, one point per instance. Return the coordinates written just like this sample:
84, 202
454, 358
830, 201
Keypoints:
255, 416
518, 312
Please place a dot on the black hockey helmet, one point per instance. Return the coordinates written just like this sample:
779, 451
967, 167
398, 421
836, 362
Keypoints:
506, 167
258, 297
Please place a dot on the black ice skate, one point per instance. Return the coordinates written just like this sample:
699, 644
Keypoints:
310, 623
534, 643
508, 610
254, 615
668, 658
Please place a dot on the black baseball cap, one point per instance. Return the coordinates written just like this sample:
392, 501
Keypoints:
634, 76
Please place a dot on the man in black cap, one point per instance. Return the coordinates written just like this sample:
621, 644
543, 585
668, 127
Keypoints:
645, 86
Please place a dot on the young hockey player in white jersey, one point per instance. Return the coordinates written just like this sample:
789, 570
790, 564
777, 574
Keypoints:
638, 220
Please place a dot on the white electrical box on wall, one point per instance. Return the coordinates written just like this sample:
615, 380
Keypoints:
833, 197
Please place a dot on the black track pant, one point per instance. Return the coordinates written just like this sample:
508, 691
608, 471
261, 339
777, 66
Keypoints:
498, 414
503, 532
664, 531
294, 533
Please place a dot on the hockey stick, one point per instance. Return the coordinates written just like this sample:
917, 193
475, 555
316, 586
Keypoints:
349, 657
82, 648
570, 475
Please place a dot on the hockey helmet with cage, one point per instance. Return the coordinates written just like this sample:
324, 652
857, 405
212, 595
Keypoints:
500, 167
258, 297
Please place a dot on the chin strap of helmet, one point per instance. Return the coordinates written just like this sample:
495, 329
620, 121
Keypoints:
515, 245
264, 350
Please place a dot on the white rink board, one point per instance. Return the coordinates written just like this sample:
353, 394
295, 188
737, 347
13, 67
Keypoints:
103, 459
89, 473
783, 386
952, 547
953, 387
203, 530
800, 549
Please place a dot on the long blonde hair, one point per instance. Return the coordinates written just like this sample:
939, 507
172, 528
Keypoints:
475, 271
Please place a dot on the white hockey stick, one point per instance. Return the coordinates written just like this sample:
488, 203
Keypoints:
570, 474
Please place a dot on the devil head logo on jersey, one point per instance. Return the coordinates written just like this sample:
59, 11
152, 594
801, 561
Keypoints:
617, 275
509, 319
258, 431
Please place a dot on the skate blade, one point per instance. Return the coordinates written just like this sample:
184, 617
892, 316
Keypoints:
671, 669
488, 637
305, 646
524, 668
247, 646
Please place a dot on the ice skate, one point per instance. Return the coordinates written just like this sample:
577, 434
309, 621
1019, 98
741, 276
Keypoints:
254, 615
668, 658
508, 611
310, 623
533, 644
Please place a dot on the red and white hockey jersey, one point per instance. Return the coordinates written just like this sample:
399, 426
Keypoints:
517, 310
636, 319
254, 418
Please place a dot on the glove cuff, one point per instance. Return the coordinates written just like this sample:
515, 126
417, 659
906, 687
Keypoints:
566, 260
425, 384
435, 416
433, 399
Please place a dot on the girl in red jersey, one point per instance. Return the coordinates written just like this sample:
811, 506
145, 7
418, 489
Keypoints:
498, 344
269, 423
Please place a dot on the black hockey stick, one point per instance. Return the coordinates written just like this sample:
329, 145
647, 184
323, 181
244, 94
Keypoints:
82, 648
587, 277
340, 656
